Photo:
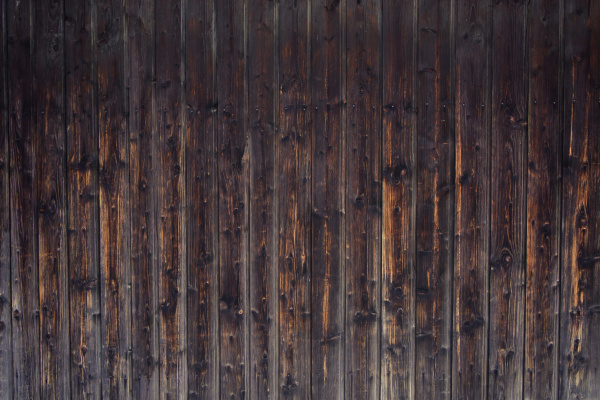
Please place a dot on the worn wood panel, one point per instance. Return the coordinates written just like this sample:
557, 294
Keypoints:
398, 202
435, 200
294, 141
328, 183
201, 201
579, 351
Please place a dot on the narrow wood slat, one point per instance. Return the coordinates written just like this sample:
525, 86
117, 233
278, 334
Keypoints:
399, 180
435, 201
114, 202
233, 165
328, 181
543, 201
293, 198
23, 227
140, 68
508, 191
49, 138
201, 202
579, 350
471, 269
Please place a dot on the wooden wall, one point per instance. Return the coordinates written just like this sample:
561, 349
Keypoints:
326, 199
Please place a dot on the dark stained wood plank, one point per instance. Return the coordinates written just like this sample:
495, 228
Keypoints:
6, 378
579, 350
399, 195
144, 162
363, 197
328, 181
435, 201
263, 232
543, 201
49, 105
113, 202
171, 181
201, 202
233, 167
508, 191
294, 190
472, 196
22, 176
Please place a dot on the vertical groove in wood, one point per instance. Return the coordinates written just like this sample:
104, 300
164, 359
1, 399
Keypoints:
363, 197
233, 166
294, 196
263, 241
399, 209
508, 191
434, 201
114, 202
579, 337
543, 201
201, 201
472, 118
140, 69
50, 150
23, 224
327, 290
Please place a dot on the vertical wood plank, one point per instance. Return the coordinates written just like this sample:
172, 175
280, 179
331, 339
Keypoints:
201, 202
471, 270
435, 206
263, 238
23, 226
143, 165
363, 196
543, 201
294, 190
114, 202
399, 212
172, 285
233, 164
328, 171
580, 317
508, 185
49, 140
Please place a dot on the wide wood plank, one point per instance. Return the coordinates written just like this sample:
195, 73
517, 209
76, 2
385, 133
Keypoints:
472, 196
435, 201
580, 282
233, 167
114, 202
399, 196
328, 182
543, 201
293, 201
201, 201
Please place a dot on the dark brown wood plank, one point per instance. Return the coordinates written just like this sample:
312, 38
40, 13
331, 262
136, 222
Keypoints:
435, 201
201, 202
49, 104
363, 197
263, 234
294, 190
114, 202
144, 162
328, 172
23, 227
543, 201
399, 195
471, 268
508, 191
172, 277
233, 167
579, 350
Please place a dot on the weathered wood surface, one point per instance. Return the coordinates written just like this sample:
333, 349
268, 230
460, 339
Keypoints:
326, 199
